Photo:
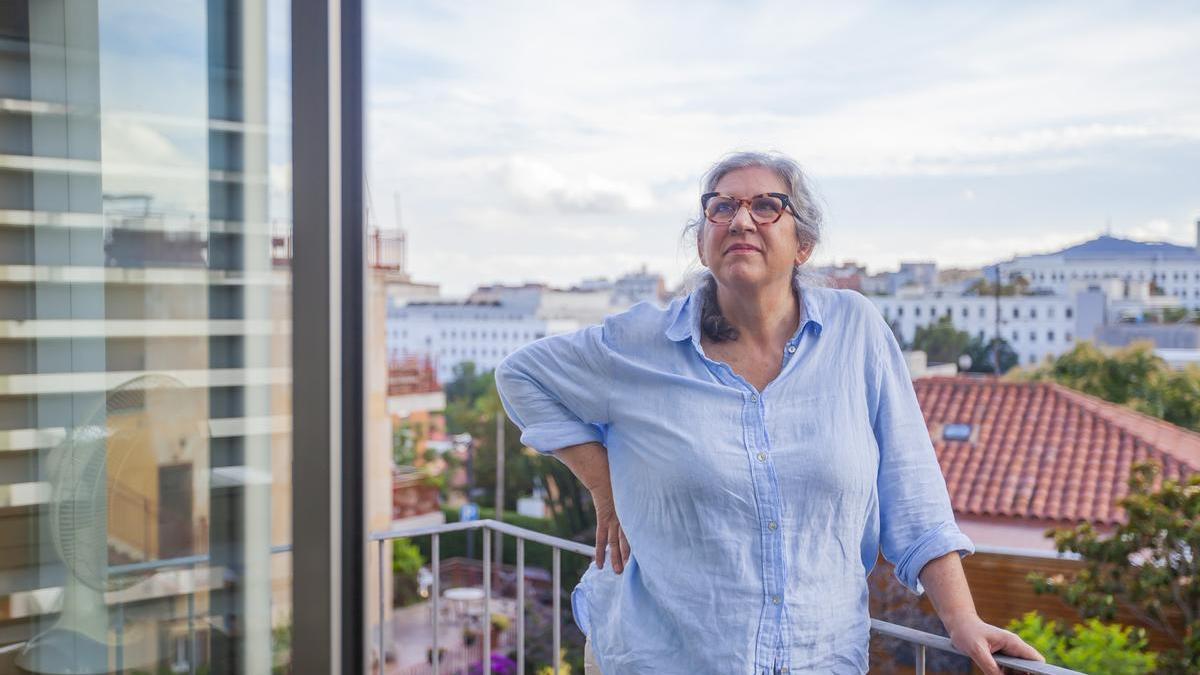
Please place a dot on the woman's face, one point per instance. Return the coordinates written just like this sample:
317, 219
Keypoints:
744, 254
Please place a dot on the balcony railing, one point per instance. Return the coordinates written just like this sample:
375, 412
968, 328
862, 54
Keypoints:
921, 641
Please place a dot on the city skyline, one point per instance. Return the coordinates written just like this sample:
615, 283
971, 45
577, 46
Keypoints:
555, 145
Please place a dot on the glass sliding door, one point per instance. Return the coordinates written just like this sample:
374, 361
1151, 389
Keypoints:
145, 320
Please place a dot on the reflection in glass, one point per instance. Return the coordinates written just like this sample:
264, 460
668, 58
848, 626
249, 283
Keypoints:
145, 371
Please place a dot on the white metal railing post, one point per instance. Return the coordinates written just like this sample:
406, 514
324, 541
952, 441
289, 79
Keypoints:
191, 604
557, 609
382, 647
437, 599
120, 636
487, 605
920, 664
520, 604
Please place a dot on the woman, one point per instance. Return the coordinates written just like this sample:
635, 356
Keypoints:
749, 449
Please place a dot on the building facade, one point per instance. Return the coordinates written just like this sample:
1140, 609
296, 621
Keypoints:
1173, 269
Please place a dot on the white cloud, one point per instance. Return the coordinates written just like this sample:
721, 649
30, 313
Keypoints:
616, 109
1162, 229
540, 184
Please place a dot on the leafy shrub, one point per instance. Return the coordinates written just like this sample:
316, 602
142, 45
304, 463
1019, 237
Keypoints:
1091, 647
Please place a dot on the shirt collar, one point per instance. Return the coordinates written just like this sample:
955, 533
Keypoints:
685, 324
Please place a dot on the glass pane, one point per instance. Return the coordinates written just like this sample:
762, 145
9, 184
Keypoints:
145, 367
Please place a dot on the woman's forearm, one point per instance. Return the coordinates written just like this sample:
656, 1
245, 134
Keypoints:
946, 583
589, 463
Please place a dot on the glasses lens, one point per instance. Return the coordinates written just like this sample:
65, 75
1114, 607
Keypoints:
720, 209
766, 208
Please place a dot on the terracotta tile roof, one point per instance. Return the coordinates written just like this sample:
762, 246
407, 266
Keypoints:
1041, 451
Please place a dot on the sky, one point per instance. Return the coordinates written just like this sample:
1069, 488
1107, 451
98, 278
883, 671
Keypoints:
522, 141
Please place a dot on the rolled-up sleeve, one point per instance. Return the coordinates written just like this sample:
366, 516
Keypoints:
555, 389
915, 517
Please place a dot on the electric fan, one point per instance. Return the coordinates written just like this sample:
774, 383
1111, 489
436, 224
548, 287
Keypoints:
91, 473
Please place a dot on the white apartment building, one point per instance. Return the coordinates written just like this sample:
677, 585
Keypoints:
456, 331
497, 319
1173, 268
1036, 326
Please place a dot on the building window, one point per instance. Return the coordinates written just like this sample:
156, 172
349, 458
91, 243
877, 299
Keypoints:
964, 312
1050, 336
900, 311
1067, 336
1050, 312
1070, 312
1033, 312
956, 432
1032, 336
1016, 313
917, 311
1015, 336
982, 311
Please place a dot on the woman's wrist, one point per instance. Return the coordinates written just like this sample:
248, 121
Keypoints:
589, 463
956, 619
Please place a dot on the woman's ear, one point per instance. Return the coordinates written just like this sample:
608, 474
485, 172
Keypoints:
803, 253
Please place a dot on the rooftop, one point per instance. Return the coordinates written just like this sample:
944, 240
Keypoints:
1106, 247
1040, 451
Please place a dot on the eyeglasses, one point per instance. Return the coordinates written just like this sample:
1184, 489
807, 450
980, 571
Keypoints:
764, 209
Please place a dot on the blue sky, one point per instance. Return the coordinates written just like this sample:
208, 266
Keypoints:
548, 141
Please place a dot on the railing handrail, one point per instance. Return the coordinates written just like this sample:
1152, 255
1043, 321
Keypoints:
488, 523
941, 643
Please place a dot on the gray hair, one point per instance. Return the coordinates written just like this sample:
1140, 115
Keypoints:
808, 228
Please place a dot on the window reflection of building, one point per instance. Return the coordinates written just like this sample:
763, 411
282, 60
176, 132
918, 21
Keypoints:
134, 240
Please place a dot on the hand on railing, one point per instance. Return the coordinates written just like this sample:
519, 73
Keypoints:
608, 528
980, 640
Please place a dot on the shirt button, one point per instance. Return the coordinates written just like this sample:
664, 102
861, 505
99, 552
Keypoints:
776, 599
772, 525
791, 349
762, 456
753, 397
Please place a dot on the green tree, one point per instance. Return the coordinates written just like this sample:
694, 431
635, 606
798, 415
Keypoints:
406, 562
941, 342
894, 324
1132, 376
472, 404
1091, 647
404, 444
1175, 314
980, 351
1150, 566
1018, 286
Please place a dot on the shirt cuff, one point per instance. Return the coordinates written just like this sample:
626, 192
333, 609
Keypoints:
935, 543
550, 436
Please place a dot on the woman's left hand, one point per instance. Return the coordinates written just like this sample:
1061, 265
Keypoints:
980, 640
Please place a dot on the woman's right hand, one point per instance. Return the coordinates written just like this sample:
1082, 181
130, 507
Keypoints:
589, 462
608, 529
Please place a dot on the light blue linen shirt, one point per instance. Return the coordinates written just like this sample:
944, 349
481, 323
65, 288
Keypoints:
753, 517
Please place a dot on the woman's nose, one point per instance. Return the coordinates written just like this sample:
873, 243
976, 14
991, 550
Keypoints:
742, 220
